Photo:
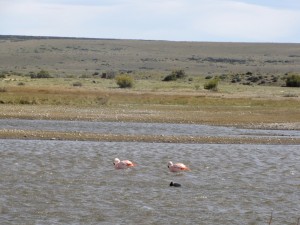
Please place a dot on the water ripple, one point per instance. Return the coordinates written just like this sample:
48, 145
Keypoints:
69, 182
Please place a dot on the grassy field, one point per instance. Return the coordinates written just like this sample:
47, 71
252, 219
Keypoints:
148, 100
146, 59
250, 93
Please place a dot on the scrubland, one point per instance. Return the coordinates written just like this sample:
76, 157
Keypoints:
251, 92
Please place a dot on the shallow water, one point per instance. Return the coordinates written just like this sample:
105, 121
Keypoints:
141, 128
69, 182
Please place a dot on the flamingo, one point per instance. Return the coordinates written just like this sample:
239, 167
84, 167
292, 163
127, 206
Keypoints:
124, 164
177, 167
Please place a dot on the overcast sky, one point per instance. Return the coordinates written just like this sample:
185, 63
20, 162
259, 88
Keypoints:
177, 20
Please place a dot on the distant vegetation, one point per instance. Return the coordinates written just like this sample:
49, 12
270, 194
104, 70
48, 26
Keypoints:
175, 74
40, 74
124, 81
293, 81
77, 84
212, 84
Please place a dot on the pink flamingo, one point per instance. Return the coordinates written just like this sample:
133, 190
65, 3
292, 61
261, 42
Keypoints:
124, 164
177, 167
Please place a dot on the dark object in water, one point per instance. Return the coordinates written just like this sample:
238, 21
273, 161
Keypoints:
175, 184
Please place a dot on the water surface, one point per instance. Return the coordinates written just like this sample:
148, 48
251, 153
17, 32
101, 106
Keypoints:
69, 182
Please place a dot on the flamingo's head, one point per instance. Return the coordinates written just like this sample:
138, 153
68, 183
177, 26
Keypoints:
170, 164
116, 161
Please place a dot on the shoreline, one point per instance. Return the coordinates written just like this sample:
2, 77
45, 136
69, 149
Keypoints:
103, 137
100, 137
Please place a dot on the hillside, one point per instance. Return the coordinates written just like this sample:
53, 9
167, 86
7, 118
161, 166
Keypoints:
144, 58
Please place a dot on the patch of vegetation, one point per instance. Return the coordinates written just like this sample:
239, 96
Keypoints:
225, 60
5, 74
253, 79
77, 84
293, 81
208, 77
124, 81
176, 74
212, 84
27, 101
40, 74
223, 76
236, 78
250, 78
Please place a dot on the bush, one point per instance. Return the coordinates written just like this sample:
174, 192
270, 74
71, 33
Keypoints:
41, 74
176, 74
124, 81
180, 74
77, 84
170, 77
293, 81
212, 84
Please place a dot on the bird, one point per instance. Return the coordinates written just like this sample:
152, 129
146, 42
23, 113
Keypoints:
177, 167
172, 184
124, 164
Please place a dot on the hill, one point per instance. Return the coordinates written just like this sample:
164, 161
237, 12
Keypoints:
149, 59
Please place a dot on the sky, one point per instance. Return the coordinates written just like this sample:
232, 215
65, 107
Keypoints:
275, 21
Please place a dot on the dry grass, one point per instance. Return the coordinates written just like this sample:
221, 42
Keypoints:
153, 58
57, 99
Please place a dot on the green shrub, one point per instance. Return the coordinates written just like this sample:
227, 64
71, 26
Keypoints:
170, 77
293, 81
212, 84
124, 81
176, 74
41, 74
180, 74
